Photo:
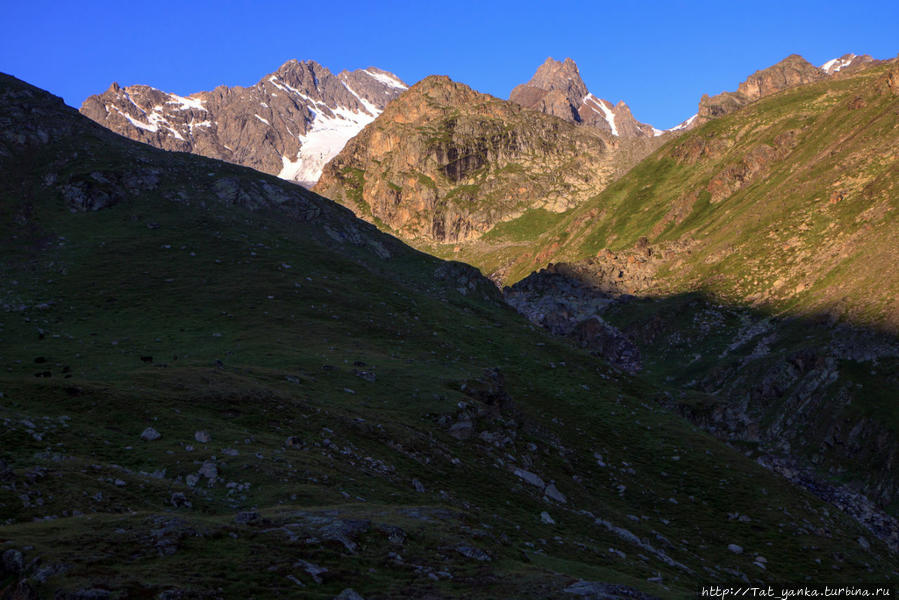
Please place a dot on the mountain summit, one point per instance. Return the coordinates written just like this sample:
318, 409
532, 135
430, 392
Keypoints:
557, 89
289, 124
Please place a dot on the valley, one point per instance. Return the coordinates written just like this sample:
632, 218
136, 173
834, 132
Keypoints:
531, 348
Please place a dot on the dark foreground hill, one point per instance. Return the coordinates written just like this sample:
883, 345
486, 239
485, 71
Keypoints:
216, 384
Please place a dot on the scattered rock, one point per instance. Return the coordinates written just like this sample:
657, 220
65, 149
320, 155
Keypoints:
595, 590
473, 553
419, 487
529, 477
553, 493
150, 435
462, 430
209, 471
202, 437
545, 518
348, 594
735, 549
313, 570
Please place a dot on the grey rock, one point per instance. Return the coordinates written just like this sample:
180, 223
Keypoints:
149, 435
594, 590
419, 487
473, 553
735, 548
552, 492
348, 594
462, 430
202, 437
313, 570
545, 518
209, 471
529, 477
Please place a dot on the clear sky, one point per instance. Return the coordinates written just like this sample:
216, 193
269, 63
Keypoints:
659, 57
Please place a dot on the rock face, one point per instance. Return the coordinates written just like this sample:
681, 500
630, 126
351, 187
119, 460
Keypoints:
790, 72
557, 89
444, 163
289, 124
845, 63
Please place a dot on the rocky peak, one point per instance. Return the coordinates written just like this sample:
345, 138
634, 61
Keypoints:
557, 89
789, 72
444, 163
847, 61
289, 124
562, 76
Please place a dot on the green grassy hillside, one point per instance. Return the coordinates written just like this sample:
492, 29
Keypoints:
789, 203
333, 409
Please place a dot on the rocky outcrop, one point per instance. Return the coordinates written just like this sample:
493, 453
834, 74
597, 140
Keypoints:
289, 124
444, 163
557, 89
790, 72
847, 62
569, 308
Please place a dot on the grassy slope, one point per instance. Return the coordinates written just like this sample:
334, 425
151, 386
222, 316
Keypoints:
254, 351
813, 229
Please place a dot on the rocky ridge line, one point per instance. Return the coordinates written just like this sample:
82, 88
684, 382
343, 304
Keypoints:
290, 124
557, 89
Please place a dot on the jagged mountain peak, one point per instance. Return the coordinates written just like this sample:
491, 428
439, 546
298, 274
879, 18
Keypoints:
562, 76
557, 89
846, 61
289, 124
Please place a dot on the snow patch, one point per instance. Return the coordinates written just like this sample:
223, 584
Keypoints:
604, 110
324, 140
152, 127
685, 124
368, 106
263, 120
186, 103
386, 79
835, 64
657, 132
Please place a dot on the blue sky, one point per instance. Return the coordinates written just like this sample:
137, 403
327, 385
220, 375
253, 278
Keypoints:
659, 57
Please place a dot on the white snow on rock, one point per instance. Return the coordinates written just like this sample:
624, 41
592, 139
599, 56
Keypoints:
606, 111
186, 103
835, 64
263, 120
324, 140
684, 125
387, 79
139, 124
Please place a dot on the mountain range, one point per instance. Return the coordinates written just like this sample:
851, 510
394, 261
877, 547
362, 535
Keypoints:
289, 124
220, 384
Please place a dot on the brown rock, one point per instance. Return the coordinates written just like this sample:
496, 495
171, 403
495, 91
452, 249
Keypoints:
445, 163
557, 89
